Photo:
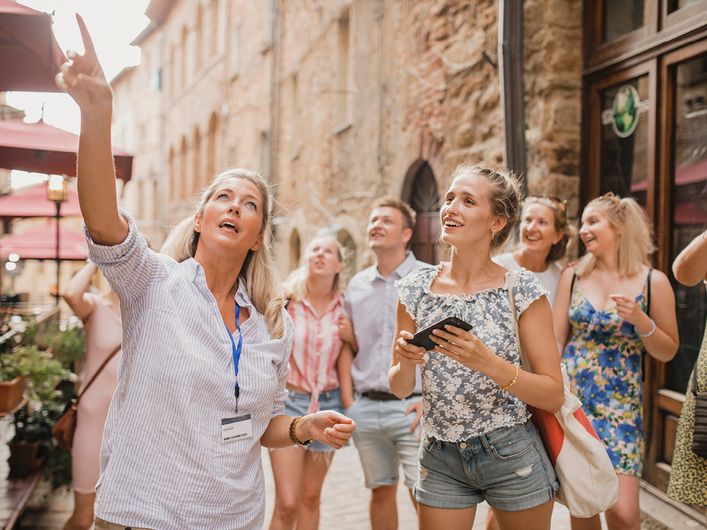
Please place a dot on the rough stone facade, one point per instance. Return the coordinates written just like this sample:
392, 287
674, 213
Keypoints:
423, 86
553, 87
340, 102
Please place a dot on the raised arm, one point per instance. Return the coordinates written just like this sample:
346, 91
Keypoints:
75, 293
690, 267
659, 329
82, 77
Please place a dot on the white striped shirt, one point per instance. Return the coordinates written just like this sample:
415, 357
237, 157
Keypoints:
163, 465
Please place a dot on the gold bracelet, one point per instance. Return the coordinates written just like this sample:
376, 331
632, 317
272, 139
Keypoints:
293, 436
513, 381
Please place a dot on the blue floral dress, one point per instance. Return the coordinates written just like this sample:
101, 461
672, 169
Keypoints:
603, 359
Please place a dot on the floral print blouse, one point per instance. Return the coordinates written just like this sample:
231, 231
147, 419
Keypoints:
460, 403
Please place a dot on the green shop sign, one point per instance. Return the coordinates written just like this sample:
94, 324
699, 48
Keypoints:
624, 112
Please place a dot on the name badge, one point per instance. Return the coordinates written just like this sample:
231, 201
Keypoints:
236, 428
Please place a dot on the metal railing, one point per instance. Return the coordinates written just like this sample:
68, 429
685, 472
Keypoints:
12, 337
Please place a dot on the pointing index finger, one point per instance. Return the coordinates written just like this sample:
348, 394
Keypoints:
89, 48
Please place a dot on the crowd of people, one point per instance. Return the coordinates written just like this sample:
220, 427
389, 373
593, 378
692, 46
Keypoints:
219, 360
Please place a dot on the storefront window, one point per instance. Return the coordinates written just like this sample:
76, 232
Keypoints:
689, 208
624, 139
623, 16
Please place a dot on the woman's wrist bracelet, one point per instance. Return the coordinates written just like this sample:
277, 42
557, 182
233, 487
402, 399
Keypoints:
645, 335
293, 435
513, 381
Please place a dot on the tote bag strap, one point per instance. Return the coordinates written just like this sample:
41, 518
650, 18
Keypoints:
510, 285
100, 369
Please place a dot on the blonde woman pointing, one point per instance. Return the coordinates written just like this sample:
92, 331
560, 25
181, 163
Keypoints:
205, 344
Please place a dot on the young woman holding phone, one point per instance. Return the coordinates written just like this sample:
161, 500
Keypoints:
479, 443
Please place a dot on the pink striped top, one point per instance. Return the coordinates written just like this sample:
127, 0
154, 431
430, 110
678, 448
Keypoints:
316, 347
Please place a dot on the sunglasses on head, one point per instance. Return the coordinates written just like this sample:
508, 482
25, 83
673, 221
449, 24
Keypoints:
551, 198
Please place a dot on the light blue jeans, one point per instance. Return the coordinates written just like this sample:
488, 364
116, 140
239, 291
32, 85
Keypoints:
384, 441
297, 404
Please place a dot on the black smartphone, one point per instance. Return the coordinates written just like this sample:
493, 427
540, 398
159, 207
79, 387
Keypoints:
422, 338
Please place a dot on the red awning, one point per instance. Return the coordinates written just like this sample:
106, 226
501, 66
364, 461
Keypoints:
45, 149
30, 57
39, 242
32, 202
688, 213
684, 175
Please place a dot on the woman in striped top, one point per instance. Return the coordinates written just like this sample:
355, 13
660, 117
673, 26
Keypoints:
316, 306
206, 342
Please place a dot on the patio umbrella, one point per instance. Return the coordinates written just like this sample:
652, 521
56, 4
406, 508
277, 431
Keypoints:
45, 149
39, 242
32, 202
30, 57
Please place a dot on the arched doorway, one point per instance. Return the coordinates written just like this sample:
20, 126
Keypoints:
346, 241
420, 191
295, 250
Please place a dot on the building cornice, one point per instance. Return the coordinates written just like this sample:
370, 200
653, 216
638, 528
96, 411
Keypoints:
157, 11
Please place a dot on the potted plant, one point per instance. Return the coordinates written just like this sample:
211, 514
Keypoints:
66, 344
41, 371
32, 442
12, 384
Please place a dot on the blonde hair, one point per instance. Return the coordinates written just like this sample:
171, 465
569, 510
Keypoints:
562, 226
296, 282
258, 270
504, 197
635, 240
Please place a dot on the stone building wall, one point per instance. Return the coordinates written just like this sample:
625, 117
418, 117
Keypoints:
339, 102
424, 87
198, 103
136, 129
553, 88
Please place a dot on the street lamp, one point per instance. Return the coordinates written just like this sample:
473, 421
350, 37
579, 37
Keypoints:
57, 191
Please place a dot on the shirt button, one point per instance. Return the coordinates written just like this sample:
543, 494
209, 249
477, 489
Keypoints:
463, 445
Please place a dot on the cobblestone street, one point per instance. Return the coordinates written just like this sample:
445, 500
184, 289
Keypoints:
345, 499
344, 503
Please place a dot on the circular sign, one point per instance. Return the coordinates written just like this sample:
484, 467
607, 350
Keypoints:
625, 111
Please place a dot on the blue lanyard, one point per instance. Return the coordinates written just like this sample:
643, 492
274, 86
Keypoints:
236, 350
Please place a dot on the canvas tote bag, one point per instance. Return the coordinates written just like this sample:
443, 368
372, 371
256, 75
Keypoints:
588, 482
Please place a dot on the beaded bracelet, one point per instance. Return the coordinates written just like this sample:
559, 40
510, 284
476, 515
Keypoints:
293, 436
513, 381
644, 335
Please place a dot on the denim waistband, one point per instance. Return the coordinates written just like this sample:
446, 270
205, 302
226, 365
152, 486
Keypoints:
483, 441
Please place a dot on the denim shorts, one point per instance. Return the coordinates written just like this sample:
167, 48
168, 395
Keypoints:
507, 467
384, 441
297, 404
